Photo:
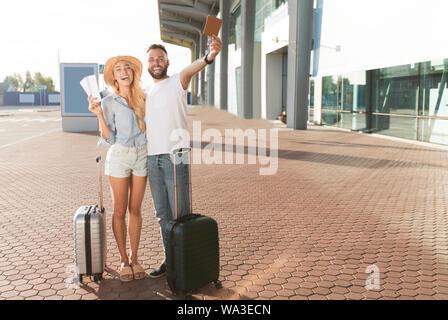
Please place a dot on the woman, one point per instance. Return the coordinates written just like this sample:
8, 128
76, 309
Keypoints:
121, 118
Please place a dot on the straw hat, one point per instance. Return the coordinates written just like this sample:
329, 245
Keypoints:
109, 67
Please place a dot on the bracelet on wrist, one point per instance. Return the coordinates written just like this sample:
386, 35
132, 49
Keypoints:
208, 61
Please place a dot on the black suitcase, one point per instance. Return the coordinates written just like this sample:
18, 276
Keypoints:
192, 255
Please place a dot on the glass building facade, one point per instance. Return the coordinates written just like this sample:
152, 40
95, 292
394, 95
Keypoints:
408, 101
235, 27
263, 9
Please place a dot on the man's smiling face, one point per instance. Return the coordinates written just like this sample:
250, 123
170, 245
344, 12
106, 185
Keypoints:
158, 64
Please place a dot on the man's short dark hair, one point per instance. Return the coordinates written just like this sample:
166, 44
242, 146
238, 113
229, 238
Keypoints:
157, 46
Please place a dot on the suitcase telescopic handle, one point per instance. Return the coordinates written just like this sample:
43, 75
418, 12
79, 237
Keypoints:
100, 185
175, 181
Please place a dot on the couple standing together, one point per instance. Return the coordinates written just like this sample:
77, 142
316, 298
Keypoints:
138, 126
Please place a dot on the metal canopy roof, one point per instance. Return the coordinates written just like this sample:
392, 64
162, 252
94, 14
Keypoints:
182, 21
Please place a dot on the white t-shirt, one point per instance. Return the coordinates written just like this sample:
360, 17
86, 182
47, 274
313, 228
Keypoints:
166, 116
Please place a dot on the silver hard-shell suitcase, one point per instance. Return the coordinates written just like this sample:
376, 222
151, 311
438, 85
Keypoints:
89, 226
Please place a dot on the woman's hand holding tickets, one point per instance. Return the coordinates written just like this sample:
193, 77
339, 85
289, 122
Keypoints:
94, 107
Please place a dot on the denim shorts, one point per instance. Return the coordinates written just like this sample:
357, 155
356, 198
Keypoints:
122, 161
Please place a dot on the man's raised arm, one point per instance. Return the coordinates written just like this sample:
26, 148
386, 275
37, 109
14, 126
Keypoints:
215, 46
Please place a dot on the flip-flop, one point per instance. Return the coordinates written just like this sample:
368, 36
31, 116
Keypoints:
138, 270
126, 273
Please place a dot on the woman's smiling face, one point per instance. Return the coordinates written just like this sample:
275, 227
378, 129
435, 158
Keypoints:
123, 73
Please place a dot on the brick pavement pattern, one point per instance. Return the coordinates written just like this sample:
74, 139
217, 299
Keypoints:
339, 203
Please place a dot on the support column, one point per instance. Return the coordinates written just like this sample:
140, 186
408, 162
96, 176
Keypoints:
211, 85
224, 6
299, 52
194, 91
247, 56
203, 42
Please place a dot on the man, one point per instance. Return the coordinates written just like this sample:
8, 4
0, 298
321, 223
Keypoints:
166, 117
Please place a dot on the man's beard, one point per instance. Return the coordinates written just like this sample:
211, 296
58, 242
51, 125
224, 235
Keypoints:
161, 75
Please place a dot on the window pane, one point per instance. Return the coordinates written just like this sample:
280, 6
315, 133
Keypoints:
402, 127
353, 121
311, 110
434, 98
235, 28
354, 90
267, 9
329, 117
312, 92
238, 33
329, 93
311, 115
395, 90
278, 3
433, 130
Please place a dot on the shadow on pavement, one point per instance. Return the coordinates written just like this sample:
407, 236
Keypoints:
326, 158
111, 288
358, 145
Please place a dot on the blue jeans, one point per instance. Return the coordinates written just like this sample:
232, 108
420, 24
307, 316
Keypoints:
161, 181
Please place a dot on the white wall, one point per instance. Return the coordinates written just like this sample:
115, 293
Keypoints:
274, 39
271, 90
235, 62
276, 30
381, 33
317, 115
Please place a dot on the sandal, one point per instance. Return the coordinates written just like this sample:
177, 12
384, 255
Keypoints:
126, 273
139, 272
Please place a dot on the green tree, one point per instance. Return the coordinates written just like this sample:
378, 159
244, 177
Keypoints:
30, 84
330, 85
27, 85
39, 79
15, 80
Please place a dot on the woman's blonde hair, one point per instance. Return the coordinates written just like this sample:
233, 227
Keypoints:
136, 99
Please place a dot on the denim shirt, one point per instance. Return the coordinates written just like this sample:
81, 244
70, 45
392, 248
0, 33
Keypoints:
122, 123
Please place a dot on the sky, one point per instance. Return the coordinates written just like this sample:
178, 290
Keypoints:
32, 33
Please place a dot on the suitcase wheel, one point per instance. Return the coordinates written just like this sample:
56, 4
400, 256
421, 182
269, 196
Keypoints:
97, 277
218, 284
80, 278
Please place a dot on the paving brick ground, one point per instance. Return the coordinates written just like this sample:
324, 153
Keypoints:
339, 203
